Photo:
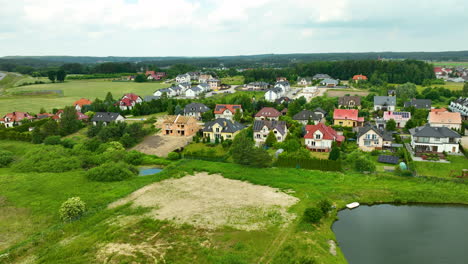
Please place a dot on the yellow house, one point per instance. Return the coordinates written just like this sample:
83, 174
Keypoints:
222, 128
347, 118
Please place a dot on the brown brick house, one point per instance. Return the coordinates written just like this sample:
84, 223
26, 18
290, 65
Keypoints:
179, 126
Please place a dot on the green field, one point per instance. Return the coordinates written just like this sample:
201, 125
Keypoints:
235, 80
434, 169
448, 85
451, 63
72, 91
29, 215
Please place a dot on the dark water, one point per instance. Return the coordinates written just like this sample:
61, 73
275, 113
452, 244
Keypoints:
149, 171
388, 234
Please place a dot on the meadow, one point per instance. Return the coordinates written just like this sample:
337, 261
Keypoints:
451, 63
13, 98
30, 202
444, 170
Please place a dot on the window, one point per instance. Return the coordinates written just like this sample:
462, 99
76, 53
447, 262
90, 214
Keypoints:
313, 143
437, 139
317, 136
217, 130
258, 136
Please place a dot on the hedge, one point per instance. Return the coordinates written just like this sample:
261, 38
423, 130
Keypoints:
13, 135
309, 163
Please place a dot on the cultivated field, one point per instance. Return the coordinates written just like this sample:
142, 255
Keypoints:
332, 93
14, 99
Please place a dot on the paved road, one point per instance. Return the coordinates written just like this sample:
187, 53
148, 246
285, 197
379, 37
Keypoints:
2, 75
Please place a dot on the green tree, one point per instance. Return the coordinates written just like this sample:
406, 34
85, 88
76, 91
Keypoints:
334, 153
312, 215
325, 206
465, 90
207, 116
49, 128
6, 157
237, 115
271, 139
72, 209
406, 91
410, 124
140, 78
52, 75
391, 125
109, 98
364, 164
242, 148
61, 75
69, 122
178, 110
42, 110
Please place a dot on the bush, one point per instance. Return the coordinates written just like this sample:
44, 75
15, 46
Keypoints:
52, 140
325, 206
112, 171
312, 215
134, 157
72, 209
48, 159
6, 157
173, 156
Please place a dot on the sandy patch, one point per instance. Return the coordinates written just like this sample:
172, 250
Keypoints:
160, 145
212, 201
114, 252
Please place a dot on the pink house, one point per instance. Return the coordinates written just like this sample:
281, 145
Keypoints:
400, 117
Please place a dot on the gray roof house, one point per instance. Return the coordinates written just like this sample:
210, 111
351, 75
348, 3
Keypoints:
419, 104
195, 109
434, 139
222, 127
261, 129
319, 76
386, 103
305, 115
150, 98
107, 117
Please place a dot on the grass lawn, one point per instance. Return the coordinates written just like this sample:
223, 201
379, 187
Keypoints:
218, 150
435, 169
451, 63
319, 155
72, 91
448, 85
34, 200
234, 80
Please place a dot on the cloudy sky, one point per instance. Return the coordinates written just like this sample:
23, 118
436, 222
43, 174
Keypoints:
229, 27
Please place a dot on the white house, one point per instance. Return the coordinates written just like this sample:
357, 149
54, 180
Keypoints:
434, 139
183, 78
460, 106
321, 137
107, 118
226, 111
169, 92
447, 119
386, 103
273, 94
193, 92
261, 129
283, 85
129, 100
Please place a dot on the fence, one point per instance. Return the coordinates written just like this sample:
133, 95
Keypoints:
310, 164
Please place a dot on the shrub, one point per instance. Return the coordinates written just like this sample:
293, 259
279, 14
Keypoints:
72, 209
173, 156
325, 206
111, 171
312, 215
134, 157
52, 140
48, 159
6, 157
375, 152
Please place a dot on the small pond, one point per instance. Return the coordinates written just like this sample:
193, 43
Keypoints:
389, 234
149, 171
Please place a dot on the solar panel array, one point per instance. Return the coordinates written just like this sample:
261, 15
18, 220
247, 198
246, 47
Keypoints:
402, 114
388, 159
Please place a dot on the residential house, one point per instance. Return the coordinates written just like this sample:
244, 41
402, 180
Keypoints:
450, 120
222, 128
129, 100
80, 103
305, 116
419, 104
196, 110
80, 116
391, 92
347, 118
328, 82
283, 85
152, 76
15, 118
261, 129
386, 103
168, 91
214, 84
257, 86
193, 92
400, 118
304, 81
268, 113
359, 77
226, 110
349, 102
106, 118
321, 76
44, 116
204, 87
434, 139
183, 78
321, 137
179, 125
204, 78
273, 94
283, 99
281, 79
460, 106
150, 98
320, 112
194, 76
370, 138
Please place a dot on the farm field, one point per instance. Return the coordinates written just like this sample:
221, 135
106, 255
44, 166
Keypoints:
448, 85
161, 227
72, 91
450, 63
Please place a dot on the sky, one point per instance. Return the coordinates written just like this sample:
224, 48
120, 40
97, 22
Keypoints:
229, 27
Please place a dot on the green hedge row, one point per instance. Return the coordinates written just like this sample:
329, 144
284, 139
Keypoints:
309, 163
14, 135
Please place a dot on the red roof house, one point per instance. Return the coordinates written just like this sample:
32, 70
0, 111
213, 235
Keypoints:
15, 118
268, 113
80, 103
320, 137
347, 117
360, 77
226, 110
129, 100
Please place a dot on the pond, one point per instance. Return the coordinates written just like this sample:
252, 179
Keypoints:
389, 234
149, 171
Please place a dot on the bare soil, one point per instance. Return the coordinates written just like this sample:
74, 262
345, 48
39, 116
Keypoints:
211, 201
332, 93
160, 145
